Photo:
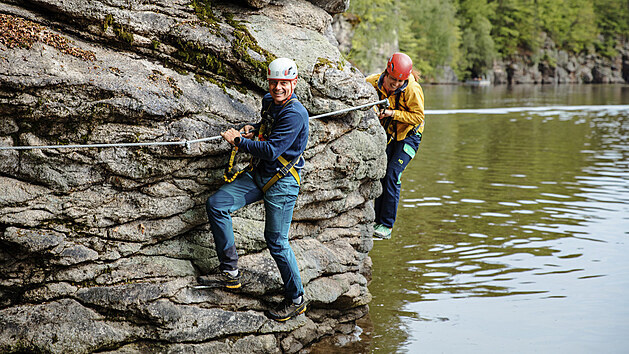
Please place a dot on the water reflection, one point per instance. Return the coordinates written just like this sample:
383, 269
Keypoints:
511, 222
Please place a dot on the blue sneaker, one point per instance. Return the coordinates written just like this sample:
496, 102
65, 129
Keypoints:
381, 231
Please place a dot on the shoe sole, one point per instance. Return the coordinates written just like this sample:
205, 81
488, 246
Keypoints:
217, 285
296, 313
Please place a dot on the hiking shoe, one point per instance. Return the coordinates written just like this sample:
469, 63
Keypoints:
381, 231
221, 280
287, 309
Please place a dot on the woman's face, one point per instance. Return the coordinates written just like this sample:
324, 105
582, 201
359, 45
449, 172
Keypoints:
391, 84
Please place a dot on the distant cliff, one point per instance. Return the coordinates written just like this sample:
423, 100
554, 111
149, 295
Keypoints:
555, 66
99, 247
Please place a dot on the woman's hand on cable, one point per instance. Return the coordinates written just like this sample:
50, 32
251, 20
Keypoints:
247, 131
386, 113
230, 136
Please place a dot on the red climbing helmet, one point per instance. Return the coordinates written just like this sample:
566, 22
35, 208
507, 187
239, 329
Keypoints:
400, 66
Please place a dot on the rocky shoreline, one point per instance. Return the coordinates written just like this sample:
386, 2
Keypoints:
554, 66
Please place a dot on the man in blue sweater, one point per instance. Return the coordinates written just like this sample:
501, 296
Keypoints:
277, 149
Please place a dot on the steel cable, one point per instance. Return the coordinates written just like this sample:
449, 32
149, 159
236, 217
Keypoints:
186, 143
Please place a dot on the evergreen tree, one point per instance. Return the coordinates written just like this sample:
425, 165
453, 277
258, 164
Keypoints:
570, 23
514, 27
477, 45
431, 35
376, 35
612, 18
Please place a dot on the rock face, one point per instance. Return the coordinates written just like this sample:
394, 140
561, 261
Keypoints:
99, 246
555, 66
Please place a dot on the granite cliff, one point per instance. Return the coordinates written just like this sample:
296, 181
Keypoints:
99, 246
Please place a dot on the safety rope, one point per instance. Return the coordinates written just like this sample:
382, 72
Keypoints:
185, 143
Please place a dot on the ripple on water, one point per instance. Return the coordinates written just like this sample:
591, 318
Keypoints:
436, 275
494, 214
496, 184
483, 255
479, 235
474, 251
477, 201
420, 261
527, 202
444, 265
468, 268
553, 195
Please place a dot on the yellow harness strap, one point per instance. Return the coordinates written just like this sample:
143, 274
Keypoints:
283, 173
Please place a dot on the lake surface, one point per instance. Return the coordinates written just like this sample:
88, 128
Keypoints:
513, 227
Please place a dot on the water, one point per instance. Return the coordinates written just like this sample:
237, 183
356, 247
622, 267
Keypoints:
513, 227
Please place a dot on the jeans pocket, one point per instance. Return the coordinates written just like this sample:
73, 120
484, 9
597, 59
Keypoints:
286, 185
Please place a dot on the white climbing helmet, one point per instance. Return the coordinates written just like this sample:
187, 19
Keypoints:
282, 69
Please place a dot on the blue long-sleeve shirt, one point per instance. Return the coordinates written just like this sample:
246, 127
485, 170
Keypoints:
289, 135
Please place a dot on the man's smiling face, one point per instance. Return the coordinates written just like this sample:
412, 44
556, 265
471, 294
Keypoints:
281, 90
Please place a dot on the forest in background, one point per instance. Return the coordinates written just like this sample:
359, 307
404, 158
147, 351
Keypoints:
468, 35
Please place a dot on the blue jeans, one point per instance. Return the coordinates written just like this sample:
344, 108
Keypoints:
279, 202
399, 155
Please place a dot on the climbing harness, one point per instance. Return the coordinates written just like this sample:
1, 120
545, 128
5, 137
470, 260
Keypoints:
289, 167
263, 134
389, 120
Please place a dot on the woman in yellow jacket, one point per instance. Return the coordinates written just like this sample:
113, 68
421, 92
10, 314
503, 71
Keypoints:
403, 122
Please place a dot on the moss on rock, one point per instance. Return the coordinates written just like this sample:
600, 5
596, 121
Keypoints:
244, 42
194, 54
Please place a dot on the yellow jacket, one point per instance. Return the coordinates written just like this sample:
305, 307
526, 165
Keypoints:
410, 112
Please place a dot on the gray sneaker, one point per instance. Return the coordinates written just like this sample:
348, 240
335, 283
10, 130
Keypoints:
220, 280
287, 309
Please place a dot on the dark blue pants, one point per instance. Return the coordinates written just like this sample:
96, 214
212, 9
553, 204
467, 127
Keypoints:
279, 201
399, 154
